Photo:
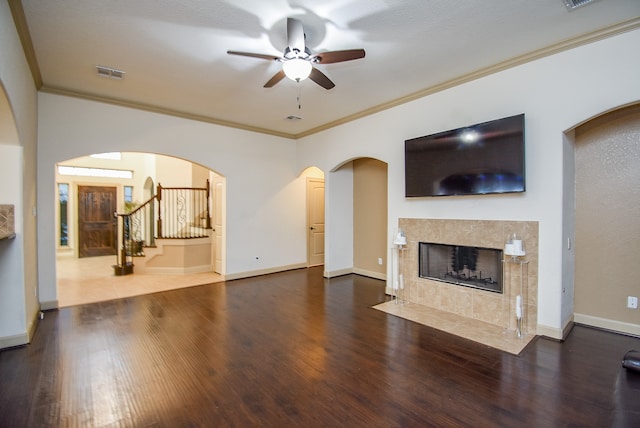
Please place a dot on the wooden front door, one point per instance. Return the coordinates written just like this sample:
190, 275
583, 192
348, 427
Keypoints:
97, 234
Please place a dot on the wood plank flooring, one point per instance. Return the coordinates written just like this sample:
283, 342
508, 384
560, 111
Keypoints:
295, 349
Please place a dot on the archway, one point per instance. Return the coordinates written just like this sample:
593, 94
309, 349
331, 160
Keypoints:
359, 187
19, 301
607, 232
88, 281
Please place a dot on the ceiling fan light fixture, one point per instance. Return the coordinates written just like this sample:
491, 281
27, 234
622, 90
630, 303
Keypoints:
297, 69
297, 60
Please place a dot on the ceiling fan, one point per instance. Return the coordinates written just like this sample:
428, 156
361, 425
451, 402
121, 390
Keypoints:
297, 60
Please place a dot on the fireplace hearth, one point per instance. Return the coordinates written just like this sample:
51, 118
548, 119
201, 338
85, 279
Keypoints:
461, 265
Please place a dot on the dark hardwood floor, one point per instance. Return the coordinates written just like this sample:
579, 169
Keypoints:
295, 349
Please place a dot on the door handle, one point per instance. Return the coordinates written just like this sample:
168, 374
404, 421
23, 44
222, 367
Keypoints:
312, 228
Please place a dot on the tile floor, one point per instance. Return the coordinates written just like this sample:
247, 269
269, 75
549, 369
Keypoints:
91, 279
478, 331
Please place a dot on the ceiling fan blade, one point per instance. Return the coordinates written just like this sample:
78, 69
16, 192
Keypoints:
295, 35
338, 56
322, 80
255, 55
275, 79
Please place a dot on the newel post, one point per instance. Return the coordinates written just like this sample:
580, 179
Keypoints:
159, 198
208, 205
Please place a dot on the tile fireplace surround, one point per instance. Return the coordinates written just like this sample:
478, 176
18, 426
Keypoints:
472, 306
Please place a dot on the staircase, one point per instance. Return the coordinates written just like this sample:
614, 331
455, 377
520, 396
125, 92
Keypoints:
169, 233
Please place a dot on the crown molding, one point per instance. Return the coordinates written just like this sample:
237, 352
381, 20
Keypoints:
20, 21
161, 110
604, 33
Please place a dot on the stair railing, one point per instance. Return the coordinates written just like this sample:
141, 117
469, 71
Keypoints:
183, 212
173, 212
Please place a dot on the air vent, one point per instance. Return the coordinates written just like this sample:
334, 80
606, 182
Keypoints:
109, 72
574, 4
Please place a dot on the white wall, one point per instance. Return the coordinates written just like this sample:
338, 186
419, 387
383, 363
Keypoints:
18, 281
266, 211
556, 93
338, 252
568, 225
12, 296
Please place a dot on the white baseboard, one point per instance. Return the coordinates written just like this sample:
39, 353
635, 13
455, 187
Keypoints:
551, 332
16, 340
249, 274
49, 305
339, 272
176, 270
567, 327
607, 324
370, 274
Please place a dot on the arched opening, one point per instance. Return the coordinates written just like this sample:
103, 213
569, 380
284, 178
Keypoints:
89, 279
19, 300
359, 187
607, 231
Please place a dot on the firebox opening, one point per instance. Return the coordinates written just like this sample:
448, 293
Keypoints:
474, 267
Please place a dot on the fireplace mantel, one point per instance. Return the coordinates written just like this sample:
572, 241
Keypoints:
481, 305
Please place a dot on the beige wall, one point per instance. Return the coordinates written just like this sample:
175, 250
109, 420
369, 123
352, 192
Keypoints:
173, 172
607, 247
199, 175
370, 216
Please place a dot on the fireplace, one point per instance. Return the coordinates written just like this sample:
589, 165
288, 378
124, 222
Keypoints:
473, 267
494, 305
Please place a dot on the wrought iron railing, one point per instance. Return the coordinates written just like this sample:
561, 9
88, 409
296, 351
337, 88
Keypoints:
173, 212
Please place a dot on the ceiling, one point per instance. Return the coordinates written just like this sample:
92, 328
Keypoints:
173, 52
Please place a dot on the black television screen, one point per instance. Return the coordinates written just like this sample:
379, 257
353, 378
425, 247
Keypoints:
479, 159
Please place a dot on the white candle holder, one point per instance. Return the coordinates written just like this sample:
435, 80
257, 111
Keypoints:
400, 243
514, 247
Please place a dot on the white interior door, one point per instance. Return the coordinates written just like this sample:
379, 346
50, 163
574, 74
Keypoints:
315, 221
218, 224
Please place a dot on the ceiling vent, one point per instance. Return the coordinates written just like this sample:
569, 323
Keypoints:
109, 72
574, 4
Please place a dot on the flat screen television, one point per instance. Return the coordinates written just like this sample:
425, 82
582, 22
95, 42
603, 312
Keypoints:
474, 160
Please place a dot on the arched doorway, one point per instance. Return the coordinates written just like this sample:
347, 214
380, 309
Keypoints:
607, 231
362, 182
86, 281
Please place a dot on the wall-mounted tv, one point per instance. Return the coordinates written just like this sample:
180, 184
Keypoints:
474, 160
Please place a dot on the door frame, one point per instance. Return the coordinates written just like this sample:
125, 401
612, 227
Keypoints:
309, 209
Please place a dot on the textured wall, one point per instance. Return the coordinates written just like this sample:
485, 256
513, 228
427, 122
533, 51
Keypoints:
608, 216
370, 216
